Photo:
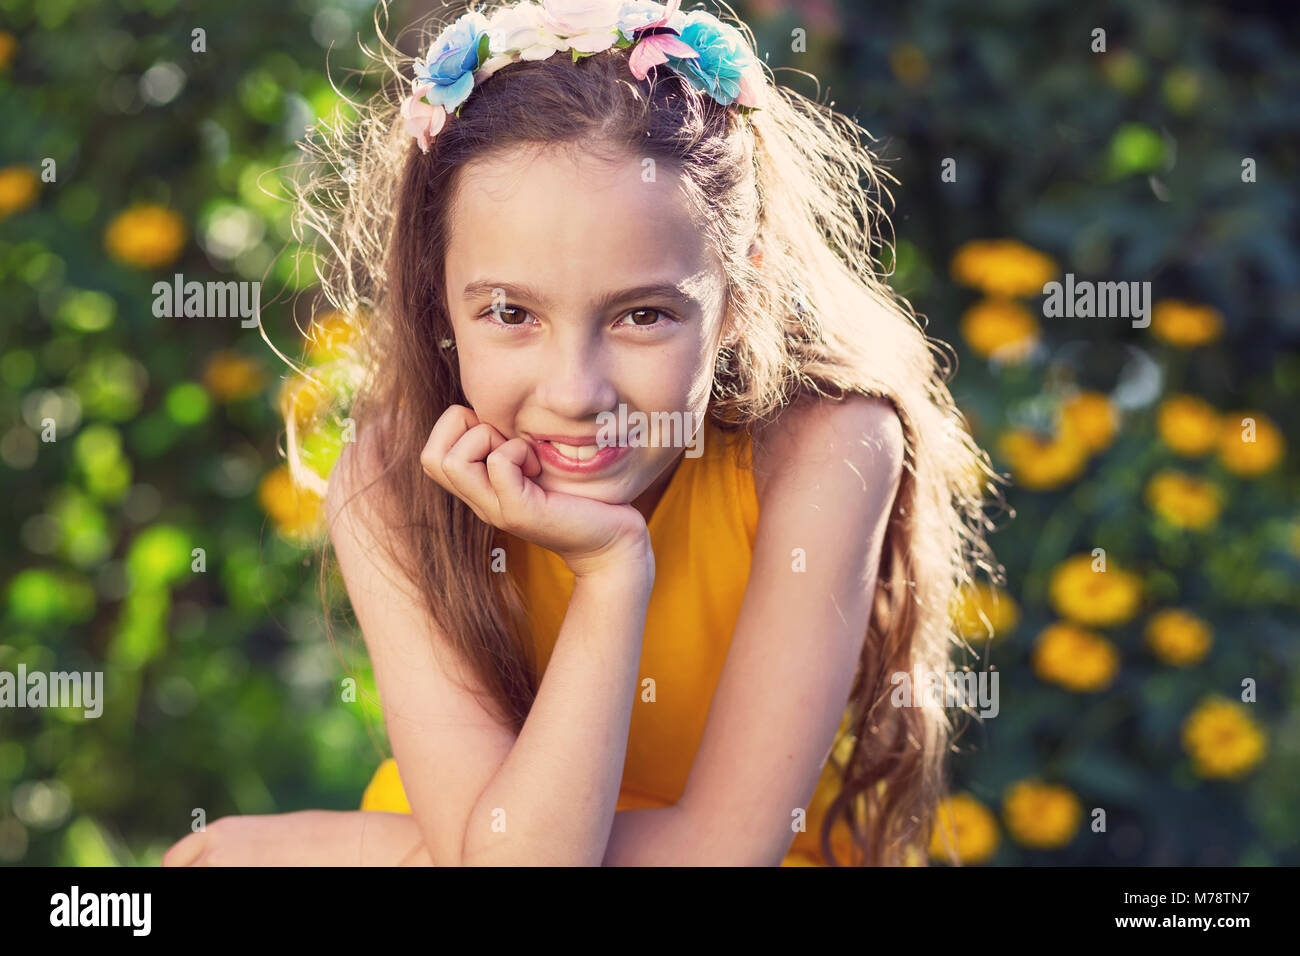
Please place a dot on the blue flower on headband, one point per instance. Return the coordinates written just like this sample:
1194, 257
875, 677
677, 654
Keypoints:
725, 60
450, 64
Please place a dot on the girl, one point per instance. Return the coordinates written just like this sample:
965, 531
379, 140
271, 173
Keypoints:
670, 644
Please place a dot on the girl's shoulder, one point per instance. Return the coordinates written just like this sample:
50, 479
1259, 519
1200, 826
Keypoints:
864, 431
357, 483
359, 466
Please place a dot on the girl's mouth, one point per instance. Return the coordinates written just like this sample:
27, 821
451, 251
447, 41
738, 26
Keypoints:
579, 459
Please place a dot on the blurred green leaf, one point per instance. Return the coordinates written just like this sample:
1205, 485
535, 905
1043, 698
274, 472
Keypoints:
188, 403
1135, 148
159, 557
37, 597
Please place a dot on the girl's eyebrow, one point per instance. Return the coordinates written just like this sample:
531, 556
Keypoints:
658, 290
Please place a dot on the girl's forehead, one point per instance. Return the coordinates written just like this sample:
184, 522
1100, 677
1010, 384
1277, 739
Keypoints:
551, 182
555, 214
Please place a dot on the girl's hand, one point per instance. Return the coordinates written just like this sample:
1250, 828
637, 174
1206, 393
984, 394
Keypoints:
476, 463
305, 838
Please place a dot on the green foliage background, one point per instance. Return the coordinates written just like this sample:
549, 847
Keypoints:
223, 688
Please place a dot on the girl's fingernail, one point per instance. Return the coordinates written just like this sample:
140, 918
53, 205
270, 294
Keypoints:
187, 851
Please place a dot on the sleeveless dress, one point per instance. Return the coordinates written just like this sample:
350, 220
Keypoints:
702, 532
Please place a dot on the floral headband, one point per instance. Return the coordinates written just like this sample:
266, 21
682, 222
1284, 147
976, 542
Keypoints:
710, 55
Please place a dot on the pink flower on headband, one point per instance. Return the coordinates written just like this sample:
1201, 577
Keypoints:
656, 48
423, 121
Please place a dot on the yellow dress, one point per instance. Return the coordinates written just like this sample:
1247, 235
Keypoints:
702, 532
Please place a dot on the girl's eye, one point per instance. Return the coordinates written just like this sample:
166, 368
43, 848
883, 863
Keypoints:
645, 318
509, 315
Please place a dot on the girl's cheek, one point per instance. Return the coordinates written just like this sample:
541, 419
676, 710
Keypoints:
482, 378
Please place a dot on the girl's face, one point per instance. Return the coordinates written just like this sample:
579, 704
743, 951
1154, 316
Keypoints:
574, 286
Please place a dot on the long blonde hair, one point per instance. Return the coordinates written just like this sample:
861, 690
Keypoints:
819, 319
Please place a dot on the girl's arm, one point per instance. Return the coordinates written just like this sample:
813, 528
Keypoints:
478, 794
552, 800
304, 838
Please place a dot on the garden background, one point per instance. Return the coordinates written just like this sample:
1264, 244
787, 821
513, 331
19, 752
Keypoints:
1169, 157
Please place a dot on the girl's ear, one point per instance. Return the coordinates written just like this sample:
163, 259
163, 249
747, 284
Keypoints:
756, 254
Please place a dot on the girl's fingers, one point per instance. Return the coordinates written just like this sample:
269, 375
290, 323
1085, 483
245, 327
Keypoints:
462, 456
184, 852
464, 466
451, 425
507, 468
532, 466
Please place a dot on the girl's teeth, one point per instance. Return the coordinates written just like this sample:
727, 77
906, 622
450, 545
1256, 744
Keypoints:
577, 452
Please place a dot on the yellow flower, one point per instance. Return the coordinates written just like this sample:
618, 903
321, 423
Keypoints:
1000, 329
303, 399
8, 43
145, 236
230, 376
983, 603
1093, 418
1185, 325
329, 336
1002, 267
1075, 658
1222, 739
966, 826
18, 188
1041, 815
1177, 637
1094, 598
909, 64
295, 511
1039, 462
1184, 500
1244, 457
1188, 425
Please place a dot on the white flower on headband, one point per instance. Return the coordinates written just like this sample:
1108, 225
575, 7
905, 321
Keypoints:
520, 30
588, 25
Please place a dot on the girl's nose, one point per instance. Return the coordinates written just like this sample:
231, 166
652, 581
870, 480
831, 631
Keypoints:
573, 380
